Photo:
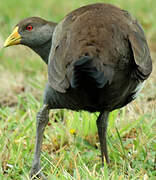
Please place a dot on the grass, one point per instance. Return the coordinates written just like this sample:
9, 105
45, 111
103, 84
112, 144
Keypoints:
66, 155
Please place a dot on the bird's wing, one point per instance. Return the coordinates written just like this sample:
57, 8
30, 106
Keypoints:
141, 53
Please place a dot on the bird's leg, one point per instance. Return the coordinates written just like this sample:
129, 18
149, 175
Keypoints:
41, 122
102, 122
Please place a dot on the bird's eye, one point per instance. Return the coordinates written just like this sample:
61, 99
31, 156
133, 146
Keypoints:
29, 27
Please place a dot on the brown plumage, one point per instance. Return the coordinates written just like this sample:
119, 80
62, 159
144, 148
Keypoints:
98, 59
112, 39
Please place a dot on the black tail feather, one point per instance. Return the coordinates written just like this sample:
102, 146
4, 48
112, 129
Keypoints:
86, 75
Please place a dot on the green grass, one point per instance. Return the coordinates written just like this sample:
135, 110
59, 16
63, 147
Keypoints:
131, 130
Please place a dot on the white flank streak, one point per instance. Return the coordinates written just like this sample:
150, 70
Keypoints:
138, 89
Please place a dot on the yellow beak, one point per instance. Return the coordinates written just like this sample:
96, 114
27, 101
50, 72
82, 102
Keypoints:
13, 39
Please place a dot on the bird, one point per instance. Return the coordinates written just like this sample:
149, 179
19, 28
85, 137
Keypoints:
97, 59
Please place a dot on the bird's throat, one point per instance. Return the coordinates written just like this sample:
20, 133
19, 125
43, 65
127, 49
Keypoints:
43, 50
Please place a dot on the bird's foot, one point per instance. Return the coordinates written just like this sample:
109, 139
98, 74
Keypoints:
36, 173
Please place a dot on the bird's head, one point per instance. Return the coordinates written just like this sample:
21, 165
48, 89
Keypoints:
32, 32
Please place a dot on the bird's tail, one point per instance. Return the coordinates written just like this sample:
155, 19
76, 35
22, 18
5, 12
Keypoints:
86, 75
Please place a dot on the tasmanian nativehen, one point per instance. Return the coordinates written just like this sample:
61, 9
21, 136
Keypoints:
98, 60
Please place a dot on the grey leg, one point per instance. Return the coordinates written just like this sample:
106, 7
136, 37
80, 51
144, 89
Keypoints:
42, 120
102, 122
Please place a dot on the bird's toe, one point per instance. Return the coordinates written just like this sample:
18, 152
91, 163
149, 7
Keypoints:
36, 173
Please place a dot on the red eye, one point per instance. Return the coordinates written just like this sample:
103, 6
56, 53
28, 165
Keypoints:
29, 27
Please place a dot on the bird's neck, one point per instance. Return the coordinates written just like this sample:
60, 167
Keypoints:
43, 50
